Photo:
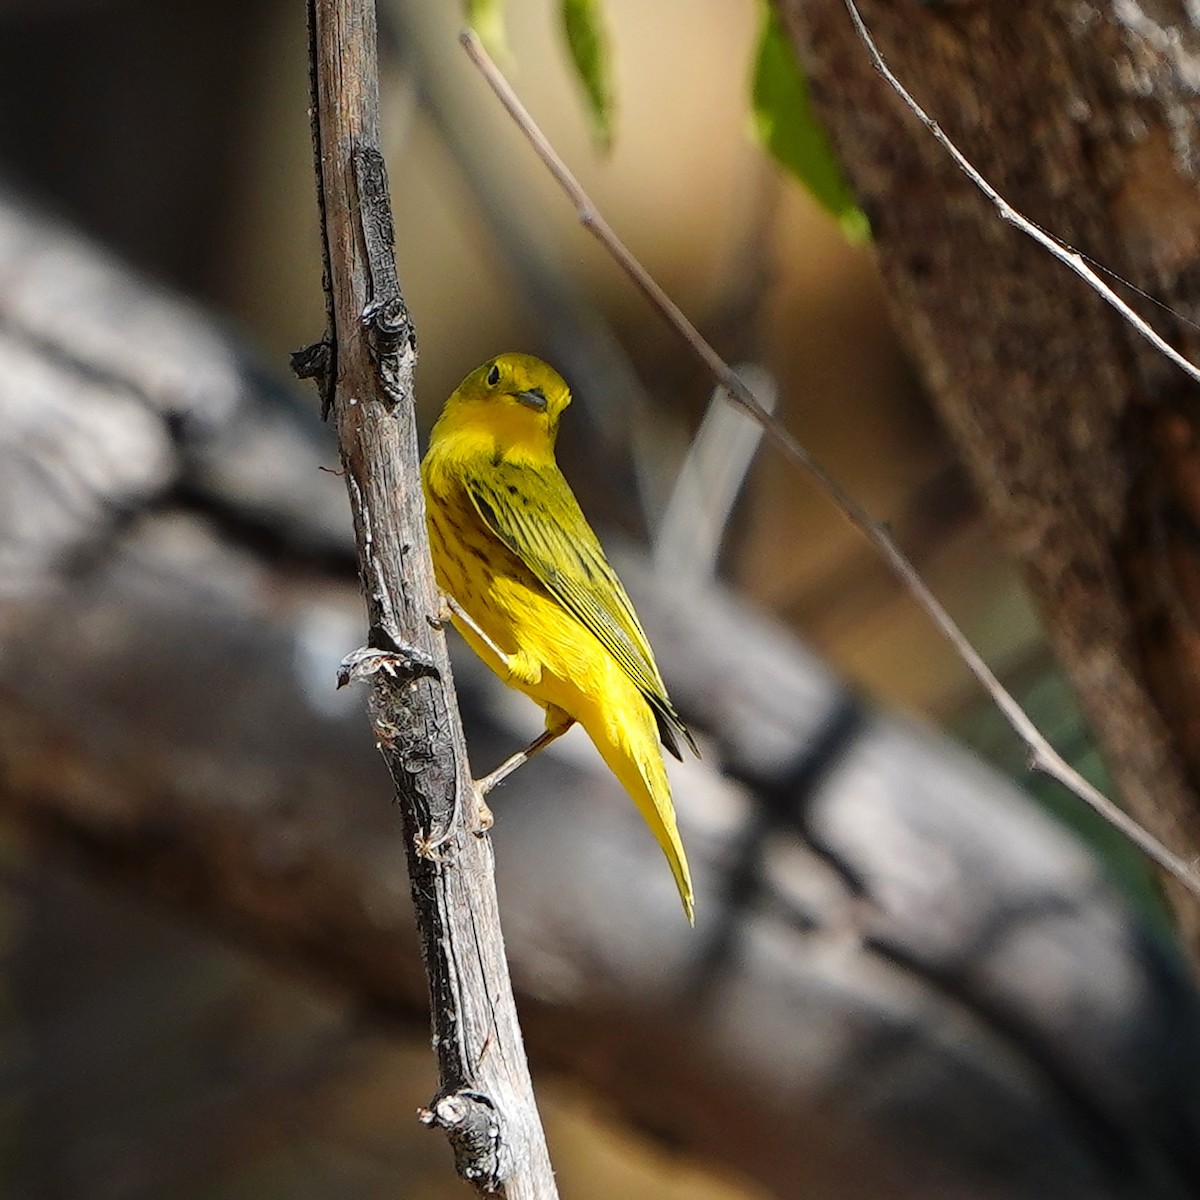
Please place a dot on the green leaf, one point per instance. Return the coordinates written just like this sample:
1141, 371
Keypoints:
785, 124
587, 40
486, 18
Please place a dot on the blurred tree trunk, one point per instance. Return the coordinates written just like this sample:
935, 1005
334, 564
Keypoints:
1082, 440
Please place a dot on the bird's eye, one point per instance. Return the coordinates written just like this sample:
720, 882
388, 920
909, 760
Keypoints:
493, 376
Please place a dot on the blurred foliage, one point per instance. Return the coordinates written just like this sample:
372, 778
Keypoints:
486, 17
786, 126
587, 40
586, 37
783, 118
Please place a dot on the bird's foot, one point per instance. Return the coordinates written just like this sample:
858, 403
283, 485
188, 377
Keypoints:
484, 817
449, 609
445, 612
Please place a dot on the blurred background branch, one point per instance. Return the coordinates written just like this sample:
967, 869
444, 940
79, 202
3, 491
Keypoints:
846, 864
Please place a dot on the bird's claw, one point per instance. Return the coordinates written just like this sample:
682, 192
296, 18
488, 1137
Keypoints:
446, 610
484, 817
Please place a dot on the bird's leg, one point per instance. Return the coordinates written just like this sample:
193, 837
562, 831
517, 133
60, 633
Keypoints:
557, 723
449, 607
509, 765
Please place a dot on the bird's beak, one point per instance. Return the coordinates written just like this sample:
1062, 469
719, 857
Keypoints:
535, 398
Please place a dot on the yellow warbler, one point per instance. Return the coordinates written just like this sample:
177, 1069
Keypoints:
531, 591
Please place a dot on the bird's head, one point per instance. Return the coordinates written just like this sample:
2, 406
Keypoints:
515, 393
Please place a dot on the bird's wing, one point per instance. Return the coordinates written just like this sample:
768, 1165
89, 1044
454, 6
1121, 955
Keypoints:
533, 511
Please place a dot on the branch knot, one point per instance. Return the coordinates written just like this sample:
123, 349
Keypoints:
316, 362
390, 334
472, 1126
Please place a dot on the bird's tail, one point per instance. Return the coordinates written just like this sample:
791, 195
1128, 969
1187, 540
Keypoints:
633, 755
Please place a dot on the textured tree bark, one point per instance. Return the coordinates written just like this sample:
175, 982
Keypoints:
364, 368
1082, 440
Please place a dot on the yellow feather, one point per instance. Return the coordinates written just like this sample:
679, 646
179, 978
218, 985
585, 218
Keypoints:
513, 549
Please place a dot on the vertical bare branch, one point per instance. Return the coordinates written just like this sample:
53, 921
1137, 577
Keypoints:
364, 368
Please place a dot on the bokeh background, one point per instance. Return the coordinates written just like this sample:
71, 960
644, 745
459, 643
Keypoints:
177, 135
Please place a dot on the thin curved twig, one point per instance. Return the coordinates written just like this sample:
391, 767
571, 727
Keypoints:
1066, 255
1043, 756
